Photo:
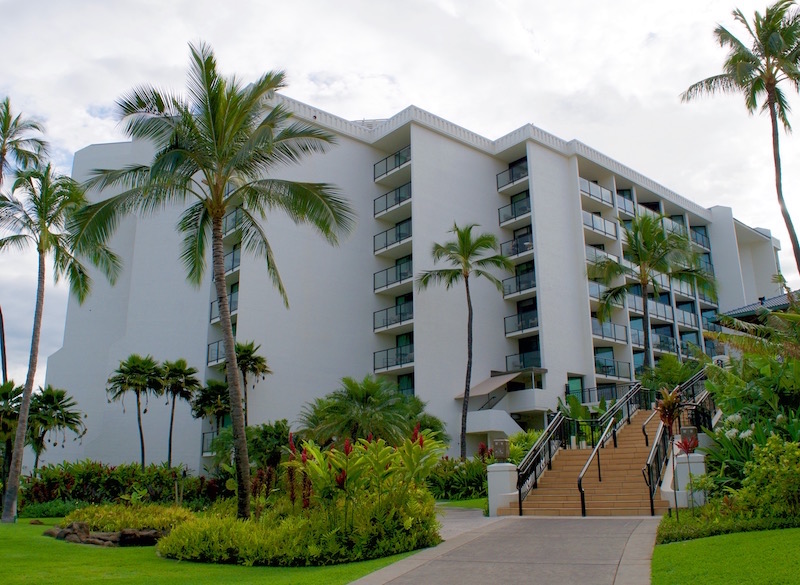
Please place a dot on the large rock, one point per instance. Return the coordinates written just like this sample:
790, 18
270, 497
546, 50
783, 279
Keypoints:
79, 532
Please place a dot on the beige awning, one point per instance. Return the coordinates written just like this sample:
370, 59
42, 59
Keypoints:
489, 385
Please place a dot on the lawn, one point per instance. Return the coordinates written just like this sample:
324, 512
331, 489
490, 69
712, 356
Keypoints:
29, 557
477, 503
746, 558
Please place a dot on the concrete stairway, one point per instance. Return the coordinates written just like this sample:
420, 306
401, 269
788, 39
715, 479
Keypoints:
622, 492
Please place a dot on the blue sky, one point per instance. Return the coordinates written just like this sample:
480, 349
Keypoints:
608, 74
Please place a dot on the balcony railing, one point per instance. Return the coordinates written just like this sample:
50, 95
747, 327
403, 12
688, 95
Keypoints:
518, 245
637, 337
514, 210
626, 205
673, 226
612, 368
233, 305
642, 210
706, 266
231, 221
519, 283
706, 297
512, 175
595, 191
685, 318
609, 330
521, 321
599, 224
522, 361
392, 315
596, 255
233, 259
392, 236
396, 356
655, 309
392, 198
664, 343
700, 239
216, 352
392, 275
391, 162
709, 325
683, 287
208, 438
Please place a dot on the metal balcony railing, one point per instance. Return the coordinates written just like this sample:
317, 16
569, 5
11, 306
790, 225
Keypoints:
396, 356
392, 198
609, 330
392, 236
521, 321
392, 315
685, 318
673, 226
514, 210
626, 205
664, 343
682, 287
659, 310
512, 175
519, 283
216, 352
231, 221
596, 255
700, 239
597, 192
709, 325
637, 337
522, 361
518, 245
233, 259
392, 275
612, 368
599, 224
391, 162
233, 305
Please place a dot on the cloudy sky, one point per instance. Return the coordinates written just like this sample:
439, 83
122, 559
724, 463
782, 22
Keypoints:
606, 73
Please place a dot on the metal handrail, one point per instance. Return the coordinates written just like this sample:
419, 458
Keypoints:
534, 461
644, 428
595, 453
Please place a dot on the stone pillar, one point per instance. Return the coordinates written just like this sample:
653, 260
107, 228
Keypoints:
502, 480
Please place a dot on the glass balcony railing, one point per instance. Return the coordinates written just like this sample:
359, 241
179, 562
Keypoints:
392, 198
609, 330
595, 255
522, 361
597, 192
713, 349
709, 325
704, 296
637, 337
392, 275
673, 226
626, 205
512, 175
208, 438
612, 368
706, 266
396, 356
655, 309
685, 318
519, 283
392, 315
599, 224
233, 305
514, 210
391, 162
664, 343
392, 236
232, 221
700, 239
233, 259
685, 288
642, 210
516, 246
521, 321
216, 352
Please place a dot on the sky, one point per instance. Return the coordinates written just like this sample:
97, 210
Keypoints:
606, 73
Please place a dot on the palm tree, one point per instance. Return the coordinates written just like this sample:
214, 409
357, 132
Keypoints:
142, 376
52, 411
250, 363
18, 140
758, 70
651, 250
217, 147
10, 398
41, 220
179, 382
212, 401
467, 255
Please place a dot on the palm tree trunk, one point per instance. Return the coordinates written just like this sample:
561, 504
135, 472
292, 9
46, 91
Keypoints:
234, 385
773, 116
646, 323
139, 420
244, 386
171, 422
465, 405
15, 470
6, 463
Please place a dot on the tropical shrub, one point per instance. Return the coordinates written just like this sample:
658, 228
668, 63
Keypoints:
771, 487
454, 479
265, 444
520, 443
51, 509
116, 517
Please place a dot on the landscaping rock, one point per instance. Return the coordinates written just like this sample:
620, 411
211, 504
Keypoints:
72, 537
36, 522
78, 532
52, 532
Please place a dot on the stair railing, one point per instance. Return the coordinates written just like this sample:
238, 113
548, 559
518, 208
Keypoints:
540, 456
656, 462
610, 428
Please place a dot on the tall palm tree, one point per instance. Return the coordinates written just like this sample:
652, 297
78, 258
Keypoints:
216, 147
756, 68
53, 410
651, 250
10, 398
212, 401
142, 376
18, 140
250, 363
179, 382
51, 202
467, 254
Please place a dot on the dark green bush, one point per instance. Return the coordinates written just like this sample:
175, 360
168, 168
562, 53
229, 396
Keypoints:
771, 487
52, 509
708, 522
454, 479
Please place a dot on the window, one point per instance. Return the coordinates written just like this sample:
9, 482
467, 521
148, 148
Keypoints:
625, 194
405, 384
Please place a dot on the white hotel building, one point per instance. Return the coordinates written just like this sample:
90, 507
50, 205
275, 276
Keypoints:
554, 204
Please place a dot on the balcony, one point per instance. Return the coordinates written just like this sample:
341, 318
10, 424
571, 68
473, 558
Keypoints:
596, 192
233, 306
392, 200
514, 211
392, 316
518, 246
626, 205
394, 275
595, 255
706, 266
519, 283
392, 163
610, 368
600, 225
684, 288
705, 297
216, 353
657, 310
393, 358
608, 330
664, 343
709, 325
393, 236
521, 322
233, 260
512, 175
208, 438
231, 221
642, 210
685, 318
700, 239
523, 361
674, 227
637, 337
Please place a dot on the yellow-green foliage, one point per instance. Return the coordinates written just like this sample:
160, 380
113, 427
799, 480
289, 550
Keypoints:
771, 487
116, 517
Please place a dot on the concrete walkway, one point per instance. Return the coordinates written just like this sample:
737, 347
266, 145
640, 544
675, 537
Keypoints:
538, 550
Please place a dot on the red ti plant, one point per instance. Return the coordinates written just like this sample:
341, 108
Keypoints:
687, 445
669, 408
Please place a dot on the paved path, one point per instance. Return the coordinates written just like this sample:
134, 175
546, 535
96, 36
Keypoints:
530, 550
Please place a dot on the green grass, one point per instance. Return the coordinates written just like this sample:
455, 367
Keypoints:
746, 558
477, 503
29, 557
